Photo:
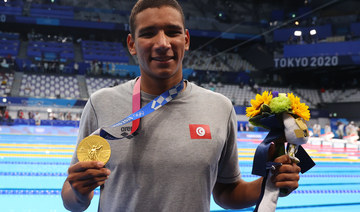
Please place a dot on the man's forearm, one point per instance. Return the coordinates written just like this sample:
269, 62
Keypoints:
240, 195
72, 201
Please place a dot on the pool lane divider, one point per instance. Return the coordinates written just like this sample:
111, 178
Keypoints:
38, 145
34, 174
34, 163
327, 191
31, 191
55, 174
35, 150
313, 176
329, 184
314, 206
34, 155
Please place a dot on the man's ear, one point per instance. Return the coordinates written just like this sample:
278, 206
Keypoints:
187, 40
131, 44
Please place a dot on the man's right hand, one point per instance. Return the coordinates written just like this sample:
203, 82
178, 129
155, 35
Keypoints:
84, 177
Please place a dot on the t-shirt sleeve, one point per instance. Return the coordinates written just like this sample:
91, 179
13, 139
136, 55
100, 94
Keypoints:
229, 171
88, 124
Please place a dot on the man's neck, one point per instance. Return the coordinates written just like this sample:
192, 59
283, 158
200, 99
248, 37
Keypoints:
157, 86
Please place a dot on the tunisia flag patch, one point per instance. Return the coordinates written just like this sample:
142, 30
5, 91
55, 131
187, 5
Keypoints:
199, 131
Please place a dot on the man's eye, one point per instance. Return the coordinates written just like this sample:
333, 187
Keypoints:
173, 33
146, 34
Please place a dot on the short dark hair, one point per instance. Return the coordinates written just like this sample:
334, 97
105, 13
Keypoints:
145, 4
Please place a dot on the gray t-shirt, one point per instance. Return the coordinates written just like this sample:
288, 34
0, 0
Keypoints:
171, 164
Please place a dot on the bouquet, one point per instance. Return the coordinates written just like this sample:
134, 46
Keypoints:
284, 116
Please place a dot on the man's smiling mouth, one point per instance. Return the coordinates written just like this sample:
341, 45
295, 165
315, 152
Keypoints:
163, 59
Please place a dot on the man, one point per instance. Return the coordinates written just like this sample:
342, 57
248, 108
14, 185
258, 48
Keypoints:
183, 151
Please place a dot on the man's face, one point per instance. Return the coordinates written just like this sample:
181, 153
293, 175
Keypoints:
160, 42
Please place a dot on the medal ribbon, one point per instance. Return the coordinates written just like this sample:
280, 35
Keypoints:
138, 112
136, 105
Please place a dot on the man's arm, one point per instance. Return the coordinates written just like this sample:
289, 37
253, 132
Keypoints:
237, 195
83, 178
72, 201
244, 194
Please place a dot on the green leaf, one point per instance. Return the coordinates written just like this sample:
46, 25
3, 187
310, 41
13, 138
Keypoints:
265, 108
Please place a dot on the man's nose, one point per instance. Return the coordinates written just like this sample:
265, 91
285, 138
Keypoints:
162, 41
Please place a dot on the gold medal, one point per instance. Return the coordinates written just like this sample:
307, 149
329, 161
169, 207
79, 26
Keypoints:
94, 148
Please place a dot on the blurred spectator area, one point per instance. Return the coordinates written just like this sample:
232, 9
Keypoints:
58, 86
50, 51
13, 7
51, 11
311, 97
96, 83
9, 44
81, 87
49, 86
103, 15
238, 95
6, 80
104, 51
205, 60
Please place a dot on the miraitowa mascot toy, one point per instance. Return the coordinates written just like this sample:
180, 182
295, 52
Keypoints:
284, 116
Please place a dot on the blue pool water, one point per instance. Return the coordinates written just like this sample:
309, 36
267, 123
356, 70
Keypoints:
33, 168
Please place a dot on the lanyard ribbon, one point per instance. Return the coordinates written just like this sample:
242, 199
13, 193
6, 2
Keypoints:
138, 112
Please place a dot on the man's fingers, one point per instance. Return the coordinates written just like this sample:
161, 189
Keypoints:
283, 177
90, 182
290, 185
94, 173
81, 166
86, 186
86, 181
88, 174
284, 159
84, 177
287, 175
288, 168
286, 180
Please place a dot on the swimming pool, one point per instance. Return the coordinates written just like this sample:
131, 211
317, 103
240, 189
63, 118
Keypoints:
34, 162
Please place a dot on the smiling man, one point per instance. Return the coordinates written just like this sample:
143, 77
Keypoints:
159, 40
181, 152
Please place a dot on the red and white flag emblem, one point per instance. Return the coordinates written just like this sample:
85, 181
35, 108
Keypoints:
199, 131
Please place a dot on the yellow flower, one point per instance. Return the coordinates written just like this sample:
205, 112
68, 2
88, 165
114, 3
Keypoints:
256, 103
300, 109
